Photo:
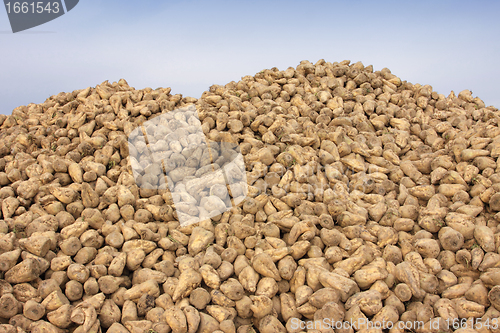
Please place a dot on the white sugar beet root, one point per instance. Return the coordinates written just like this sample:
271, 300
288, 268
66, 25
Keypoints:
358, 196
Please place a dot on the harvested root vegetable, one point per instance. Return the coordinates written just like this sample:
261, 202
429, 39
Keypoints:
326, 191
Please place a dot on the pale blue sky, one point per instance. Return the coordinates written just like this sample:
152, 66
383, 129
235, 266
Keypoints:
189, 45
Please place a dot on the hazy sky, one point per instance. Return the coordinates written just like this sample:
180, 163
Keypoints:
190, 45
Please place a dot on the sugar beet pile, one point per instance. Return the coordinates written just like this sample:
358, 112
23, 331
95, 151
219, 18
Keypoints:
369, 198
